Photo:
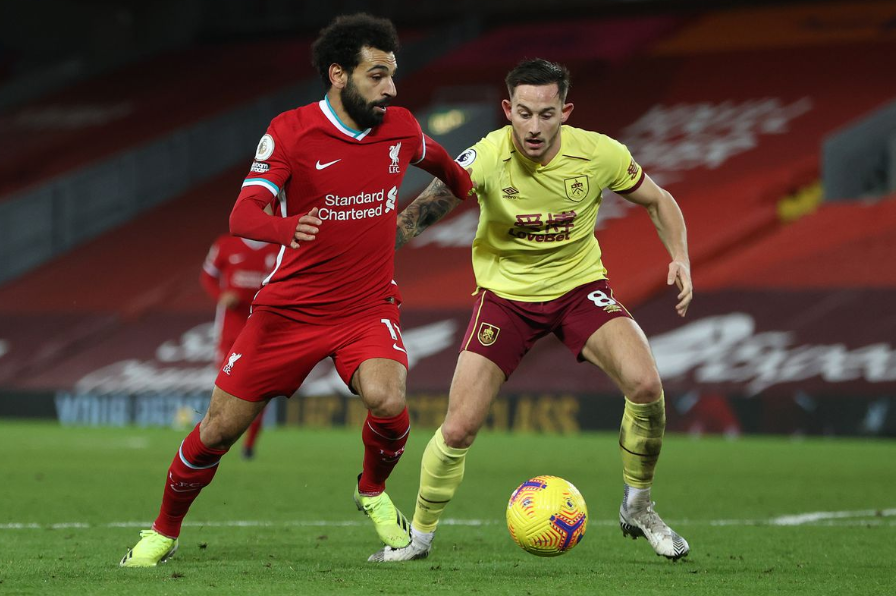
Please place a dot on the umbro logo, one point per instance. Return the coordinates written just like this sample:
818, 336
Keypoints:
321, 166
510, 192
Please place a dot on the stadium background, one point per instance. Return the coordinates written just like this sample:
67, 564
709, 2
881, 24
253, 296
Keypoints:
126, 127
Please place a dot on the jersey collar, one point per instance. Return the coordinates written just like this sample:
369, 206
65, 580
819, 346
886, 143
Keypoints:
330, 113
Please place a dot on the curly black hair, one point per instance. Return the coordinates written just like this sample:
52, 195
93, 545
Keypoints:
538, 72
341, 41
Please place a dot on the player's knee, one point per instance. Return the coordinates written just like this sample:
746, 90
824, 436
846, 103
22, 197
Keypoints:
384, 401
459, 435
646, 388
216, 433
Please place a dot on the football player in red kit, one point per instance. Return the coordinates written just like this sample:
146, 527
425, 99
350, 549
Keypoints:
232, 274
324, 186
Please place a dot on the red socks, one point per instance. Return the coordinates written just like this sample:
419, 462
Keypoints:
193, 468
195, 465
384, 441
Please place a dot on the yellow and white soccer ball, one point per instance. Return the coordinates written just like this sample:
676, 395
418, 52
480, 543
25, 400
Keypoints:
547, 516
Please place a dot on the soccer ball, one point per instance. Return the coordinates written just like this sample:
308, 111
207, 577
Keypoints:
546, 516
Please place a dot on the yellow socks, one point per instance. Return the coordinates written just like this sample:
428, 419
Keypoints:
441, 472
640, 440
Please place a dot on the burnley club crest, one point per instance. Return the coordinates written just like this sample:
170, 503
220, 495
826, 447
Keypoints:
488, 334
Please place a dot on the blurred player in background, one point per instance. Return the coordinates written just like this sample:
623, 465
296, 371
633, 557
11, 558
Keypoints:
232, 273
329, 172
538, 270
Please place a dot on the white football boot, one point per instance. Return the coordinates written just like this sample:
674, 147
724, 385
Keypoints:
637, 518
421, 544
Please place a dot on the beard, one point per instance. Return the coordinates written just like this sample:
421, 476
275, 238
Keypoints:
360, 110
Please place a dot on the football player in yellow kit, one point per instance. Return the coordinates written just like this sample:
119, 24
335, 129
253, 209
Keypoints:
538, 270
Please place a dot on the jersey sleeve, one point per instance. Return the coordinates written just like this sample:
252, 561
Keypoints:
478, 161
437, 162
214, 259
420, 152
271, 168
210, 274
431, 157
626, 174
269, 173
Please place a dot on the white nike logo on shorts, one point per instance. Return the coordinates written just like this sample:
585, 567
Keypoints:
321, 166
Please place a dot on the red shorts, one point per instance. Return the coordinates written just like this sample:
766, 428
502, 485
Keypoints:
505, 330
274, 353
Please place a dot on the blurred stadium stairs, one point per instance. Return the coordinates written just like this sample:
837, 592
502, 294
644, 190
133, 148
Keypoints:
97, 154
118, 112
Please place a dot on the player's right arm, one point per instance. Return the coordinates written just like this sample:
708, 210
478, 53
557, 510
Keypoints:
252, 216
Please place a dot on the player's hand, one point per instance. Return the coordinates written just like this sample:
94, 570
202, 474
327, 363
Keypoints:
229, 299
306, 229
680, 275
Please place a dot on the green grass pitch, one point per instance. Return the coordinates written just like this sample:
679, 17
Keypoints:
762, 515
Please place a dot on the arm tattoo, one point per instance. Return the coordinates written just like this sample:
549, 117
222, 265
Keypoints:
432, 205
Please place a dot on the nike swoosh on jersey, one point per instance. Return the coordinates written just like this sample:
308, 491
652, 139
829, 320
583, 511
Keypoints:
321, 166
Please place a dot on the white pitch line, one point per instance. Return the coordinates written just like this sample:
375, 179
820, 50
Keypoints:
814, 517
818, 518
798, 520
225, 524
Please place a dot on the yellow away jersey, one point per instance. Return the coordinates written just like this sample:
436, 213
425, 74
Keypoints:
535, 239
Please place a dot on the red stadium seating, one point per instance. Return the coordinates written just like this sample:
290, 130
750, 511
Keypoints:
138, 103
767, 102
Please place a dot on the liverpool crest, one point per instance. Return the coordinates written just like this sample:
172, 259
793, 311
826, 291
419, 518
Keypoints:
393, 155
230, 362
576, 188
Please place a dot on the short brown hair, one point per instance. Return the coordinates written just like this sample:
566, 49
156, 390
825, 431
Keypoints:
538, 72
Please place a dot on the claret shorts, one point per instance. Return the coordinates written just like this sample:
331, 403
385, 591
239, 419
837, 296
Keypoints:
505, 330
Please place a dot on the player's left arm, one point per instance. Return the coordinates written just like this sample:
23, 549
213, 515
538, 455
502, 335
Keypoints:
430, 206
451, 185
436, 161
669, 222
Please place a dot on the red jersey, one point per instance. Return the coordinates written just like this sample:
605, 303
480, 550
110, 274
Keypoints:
309, 158
238, 265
